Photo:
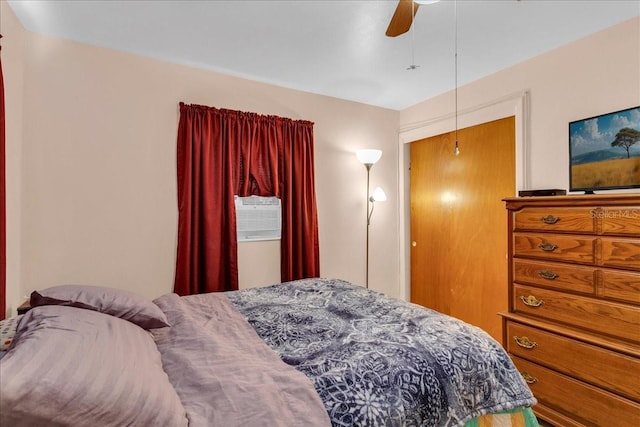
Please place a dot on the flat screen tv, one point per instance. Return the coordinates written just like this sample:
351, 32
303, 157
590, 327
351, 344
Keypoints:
604, 151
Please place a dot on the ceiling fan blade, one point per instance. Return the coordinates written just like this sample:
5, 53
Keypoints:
402, 18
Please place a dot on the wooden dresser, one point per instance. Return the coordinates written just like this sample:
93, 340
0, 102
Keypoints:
573, 326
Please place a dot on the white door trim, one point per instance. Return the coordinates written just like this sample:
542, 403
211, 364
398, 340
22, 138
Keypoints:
516, 104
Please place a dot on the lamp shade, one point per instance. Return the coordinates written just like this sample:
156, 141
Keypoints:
368, 156
426, 1
378, 195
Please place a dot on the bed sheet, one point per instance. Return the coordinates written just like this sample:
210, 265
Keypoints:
224, 374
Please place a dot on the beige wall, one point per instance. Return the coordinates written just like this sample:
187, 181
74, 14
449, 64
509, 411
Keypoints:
91, 139
12, 68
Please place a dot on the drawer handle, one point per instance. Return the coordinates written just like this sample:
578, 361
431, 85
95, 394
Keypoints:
525, 342
529, 379
549, 219
548, 274
531, 301
548, 247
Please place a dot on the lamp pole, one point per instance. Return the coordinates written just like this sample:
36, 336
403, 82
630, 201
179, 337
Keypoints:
368, 157
366, 277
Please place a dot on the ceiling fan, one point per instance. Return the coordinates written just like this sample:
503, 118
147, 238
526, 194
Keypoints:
403, 16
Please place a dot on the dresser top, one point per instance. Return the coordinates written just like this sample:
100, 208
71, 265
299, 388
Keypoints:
620, 199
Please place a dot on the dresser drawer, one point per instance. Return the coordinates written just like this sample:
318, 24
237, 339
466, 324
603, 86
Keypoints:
595, 365
623, 253
584, 403
555, 275
579, 220
624, 220
605, 282
604, 317
580, 249
621, 285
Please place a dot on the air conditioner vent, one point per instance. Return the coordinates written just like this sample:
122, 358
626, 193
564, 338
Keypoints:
258, 218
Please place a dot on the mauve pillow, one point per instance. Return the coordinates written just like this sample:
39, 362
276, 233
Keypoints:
80, 368
116, 302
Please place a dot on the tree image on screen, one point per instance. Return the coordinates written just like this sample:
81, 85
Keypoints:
625, 138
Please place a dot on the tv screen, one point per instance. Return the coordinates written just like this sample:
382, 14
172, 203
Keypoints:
604, 151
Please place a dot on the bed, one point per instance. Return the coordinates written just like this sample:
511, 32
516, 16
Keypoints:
313, 352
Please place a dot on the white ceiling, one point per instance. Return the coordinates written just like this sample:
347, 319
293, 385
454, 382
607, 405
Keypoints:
331, 47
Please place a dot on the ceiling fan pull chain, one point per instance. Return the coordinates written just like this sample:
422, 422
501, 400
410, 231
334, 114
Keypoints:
456, 150
413, 65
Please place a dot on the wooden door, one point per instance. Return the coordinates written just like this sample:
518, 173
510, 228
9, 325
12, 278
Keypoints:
459, 223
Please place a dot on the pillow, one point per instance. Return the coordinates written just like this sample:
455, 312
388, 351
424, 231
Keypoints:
73, 367
7, 332
116, 302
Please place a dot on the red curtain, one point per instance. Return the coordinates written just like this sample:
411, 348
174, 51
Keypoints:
221, 153
299, 249
3, 203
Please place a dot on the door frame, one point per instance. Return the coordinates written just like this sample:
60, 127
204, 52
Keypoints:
516, 104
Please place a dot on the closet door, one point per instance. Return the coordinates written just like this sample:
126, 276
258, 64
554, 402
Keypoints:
458, 222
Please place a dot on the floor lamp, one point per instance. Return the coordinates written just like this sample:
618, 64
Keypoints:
369, 157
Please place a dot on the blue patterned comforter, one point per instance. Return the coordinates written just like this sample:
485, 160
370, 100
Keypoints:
378, 361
